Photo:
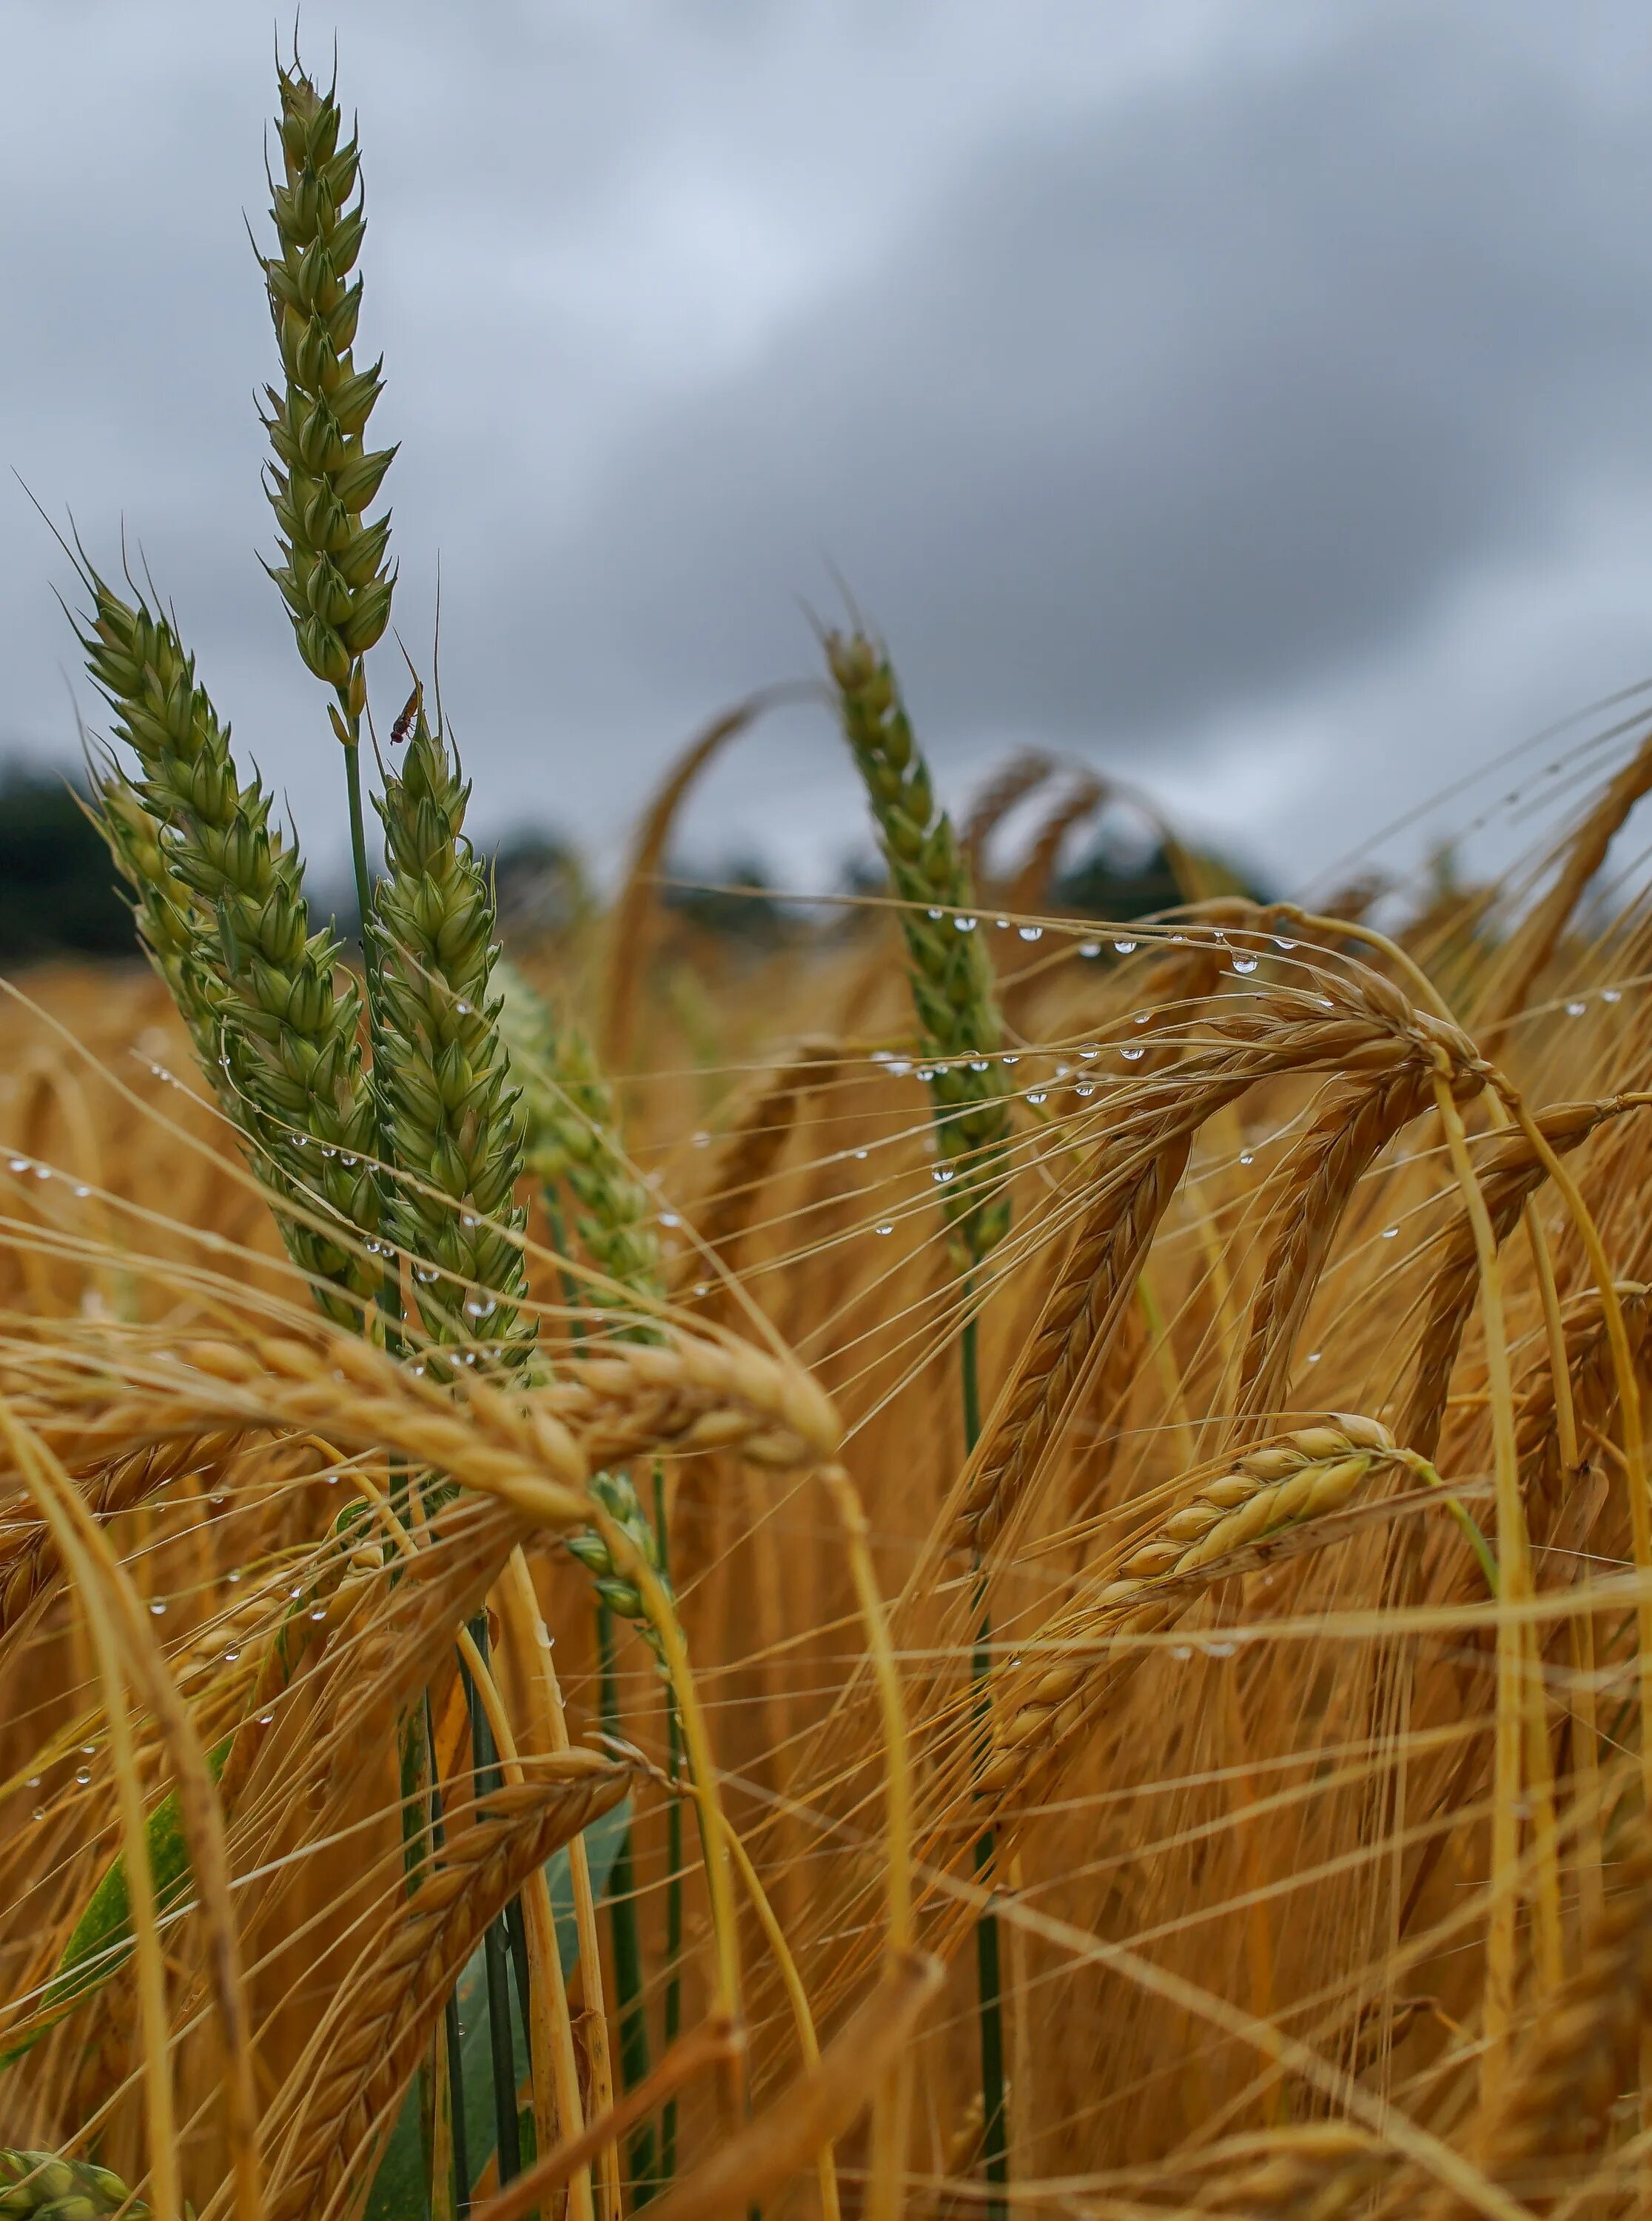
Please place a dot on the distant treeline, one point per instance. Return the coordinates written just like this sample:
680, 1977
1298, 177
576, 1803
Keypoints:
59, 896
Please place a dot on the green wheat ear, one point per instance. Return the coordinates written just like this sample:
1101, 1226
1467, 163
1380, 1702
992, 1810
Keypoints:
42, 2184
950, 973
448, 1111
573, 1140
333, 575
219, 897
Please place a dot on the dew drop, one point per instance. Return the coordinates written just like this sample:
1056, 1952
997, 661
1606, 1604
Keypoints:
1314, 1356
39, 1811
89, 1749
934, 913
964, 924
1003, 925
1612, 995
669, 1218
861, 1152
157, 1608
1182, 1651
925, 1072
83, 1191
1280, 942
1036, 1095
1133, 1051
1089, 948
319, 1612
464, 1008
83, 1776
480, 1307
900, 1066
333, 1478
702, 1140
234, 1576
1247, 1156
32, 1782
265, 1718
942, 1173
885, 1230
1575, 1009
1390, 1233
230, 1656
1084, 1091
1031, 932
19, 1164
1245, 964
42, 1172
295, 1594
1124, 947
345, 1159
1009, 1059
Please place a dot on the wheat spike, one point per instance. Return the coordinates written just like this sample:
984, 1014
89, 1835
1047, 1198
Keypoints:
572, 1137
951, 973
448, 1111
263, 997
333, 575
41, 2185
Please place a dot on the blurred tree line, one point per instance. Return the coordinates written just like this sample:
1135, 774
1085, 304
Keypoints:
58, 893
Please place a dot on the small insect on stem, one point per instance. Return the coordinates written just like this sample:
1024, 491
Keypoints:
410, 709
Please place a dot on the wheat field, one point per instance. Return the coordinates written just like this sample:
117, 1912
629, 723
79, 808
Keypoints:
1035, 1595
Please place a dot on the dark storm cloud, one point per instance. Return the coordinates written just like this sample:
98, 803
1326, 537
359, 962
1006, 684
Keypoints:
1170, 409
1206, 386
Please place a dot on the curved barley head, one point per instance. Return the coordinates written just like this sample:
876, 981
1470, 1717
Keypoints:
951, 973
334, 576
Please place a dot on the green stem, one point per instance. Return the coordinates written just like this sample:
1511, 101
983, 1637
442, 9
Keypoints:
359, 835
989, 1989
674, 1871
438, 1836
496, 1945
628, 1937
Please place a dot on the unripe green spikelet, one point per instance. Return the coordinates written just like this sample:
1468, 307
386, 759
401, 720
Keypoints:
448, 1111
951, 973
220, 903
572, 1136
47, 2188
572, 1128
333, 576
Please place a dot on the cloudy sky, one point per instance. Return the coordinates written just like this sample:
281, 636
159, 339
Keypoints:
1250, 398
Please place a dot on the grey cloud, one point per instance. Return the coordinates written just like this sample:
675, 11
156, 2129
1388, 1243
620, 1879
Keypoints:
1176, 408
1136, 398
